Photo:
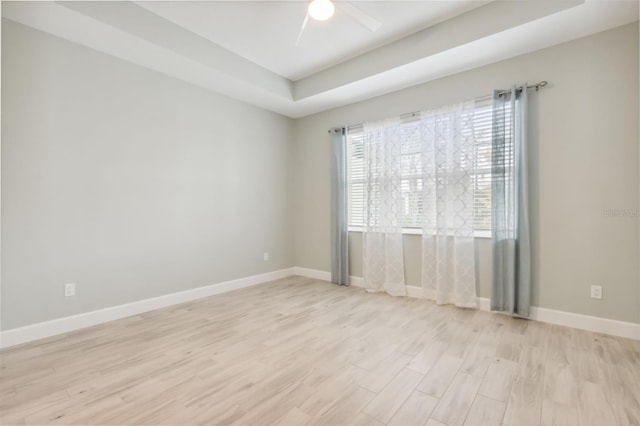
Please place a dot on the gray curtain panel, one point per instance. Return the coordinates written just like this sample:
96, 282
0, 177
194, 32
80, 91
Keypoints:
511, 289
339, 219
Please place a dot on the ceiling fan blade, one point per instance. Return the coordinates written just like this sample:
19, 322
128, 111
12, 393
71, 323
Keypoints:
304, 25
358, 15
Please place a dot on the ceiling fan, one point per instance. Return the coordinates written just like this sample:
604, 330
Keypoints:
321, 10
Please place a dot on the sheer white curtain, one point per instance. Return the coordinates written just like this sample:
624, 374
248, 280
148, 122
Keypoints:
448, 161
383, 264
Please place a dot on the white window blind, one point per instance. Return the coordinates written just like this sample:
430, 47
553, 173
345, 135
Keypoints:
412, 180
355, 175
482, 175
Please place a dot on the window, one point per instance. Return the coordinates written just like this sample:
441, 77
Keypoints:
482, 176
412, 180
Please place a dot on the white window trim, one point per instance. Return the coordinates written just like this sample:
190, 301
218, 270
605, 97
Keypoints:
418, 231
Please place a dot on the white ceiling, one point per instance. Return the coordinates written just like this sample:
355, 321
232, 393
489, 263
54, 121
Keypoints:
265, 32
246, 50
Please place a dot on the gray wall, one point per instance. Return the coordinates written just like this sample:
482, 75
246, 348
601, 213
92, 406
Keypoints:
129, 183
584, 156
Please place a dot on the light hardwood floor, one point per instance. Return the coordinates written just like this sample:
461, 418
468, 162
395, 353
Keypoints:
299, 351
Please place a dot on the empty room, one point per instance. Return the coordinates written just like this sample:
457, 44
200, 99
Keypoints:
323, 212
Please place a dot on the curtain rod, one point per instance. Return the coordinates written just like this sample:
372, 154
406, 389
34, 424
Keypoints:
536, 86
519, 88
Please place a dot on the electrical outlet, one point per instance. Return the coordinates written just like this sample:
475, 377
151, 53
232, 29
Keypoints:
69, 289
266, 255
596, 292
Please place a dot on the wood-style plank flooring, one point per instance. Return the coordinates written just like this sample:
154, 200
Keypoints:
299, 351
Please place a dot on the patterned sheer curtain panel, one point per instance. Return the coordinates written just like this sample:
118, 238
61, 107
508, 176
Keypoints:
447, 158
383, 262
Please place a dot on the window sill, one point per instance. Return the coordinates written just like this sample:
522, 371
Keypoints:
418, 231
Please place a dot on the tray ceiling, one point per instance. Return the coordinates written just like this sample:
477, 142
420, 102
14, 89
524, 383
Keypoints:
246, 50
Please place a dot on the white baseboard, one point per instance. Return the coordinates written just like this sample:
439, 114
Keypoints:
484, 304
586, 322
312, 273
569, 319
41, 330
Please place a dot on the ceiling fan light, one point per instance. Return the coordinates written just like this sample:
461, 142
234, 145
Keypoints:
321, 10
